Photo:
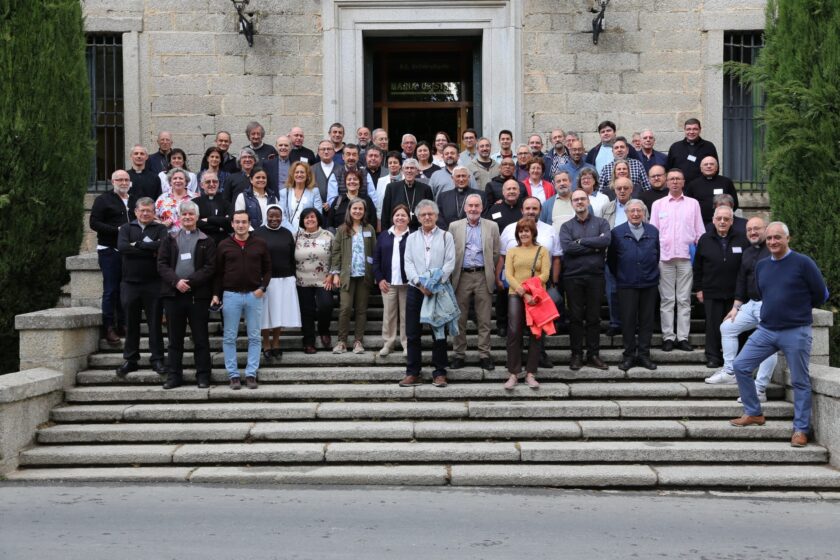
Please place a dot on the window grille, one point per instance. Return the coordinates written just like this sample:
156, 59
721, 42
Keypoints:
743, 136
105, 76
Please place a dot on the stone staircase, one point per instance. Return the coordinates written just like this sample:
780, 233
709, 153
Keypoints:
326, 419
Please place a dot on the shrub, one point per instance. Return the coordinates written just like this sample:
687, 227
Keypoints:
46, 152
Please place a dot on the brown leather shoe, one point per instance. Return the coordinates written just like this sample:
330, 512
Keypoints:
112, 337
439, 381
748, 421
799, 439
251, 382
597, 362
309, 350
575, 363
326, 342
411, 381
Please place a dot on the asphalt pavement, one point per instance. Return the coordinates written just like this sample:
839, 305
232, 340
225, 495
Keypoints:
127, 522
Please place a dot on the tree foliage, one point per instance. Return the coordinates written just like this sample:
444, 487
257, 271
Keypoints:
799, 72
46, 150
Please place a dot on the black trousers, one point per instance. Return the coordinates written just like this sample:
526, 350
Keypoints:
316, 305
716, 310
501, 307
637, 309
413, 333
583, 296
516, 325
181, 309
137, 298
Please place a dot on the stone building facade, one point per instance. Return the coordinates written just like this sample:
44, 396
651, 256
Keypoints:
187, 70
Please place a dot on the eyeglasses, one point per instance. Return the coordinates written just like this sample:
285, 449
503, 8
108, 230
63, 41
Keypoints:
657, 175
210, 181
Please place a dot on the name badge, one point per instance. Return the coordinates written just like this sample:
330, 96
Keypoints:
691, 158
188, 256
369, 260
663, 215
147, 239
366, 234
736, 250
717, 191
304, 160
496, 215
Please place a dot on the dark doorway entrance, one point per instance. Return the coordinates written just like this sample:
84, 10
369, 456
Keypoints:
422, 86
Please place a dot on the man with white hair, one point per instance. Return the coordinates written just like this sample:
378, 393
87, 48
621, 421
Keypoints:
408, 145
442, 180
790, 285
648, 156
451, 203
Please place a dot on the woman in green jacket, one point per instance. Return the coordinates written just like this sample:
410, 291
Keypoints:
352, 268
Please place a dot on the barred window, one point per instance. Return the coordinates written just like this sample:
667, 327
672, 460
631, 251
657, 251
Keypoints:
105, 76
743, 137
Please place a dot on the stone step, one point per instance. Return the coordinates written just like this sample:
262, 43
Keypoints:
391, 391
373, 341
249, 410
406, 430
665, 451
739, 477
357, 374
371, 358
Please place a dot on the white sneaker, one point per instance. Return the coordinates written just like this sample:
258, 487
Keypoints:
384, 352
762, 396
358, 348
722, 377
340, 348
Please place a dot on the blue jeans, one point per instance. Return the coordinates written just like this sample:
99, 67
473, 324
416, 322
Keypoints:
235, 304
795, 343
110, 263
746, 319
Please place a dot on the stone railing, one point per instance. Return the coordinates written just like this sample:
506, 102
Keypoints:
85, 280
26, 398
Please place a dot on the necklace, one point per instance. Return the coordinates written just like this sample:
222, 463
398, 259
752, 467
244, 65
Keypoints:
410, 202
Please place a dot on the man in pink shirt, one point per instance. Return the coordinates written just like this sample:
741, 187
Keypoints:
680, 225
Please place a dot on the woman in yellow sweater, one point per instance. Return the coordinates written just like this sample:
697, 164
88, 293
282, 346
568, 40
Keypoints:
525, 260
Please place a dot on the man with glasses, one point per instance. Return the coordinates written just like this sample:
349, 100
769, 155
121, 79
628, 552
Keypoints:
523, 159
324, 169
680, 225
576, 161
409, 191
213, 209
716, 264
235, 183
493, 188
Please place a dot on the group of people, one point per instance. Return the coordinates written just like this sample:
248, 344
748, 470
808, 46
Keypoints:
439, 231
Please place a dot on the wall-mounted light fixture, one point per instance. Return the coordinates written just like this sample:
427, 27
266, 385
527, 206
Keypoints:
246, 24
598, 20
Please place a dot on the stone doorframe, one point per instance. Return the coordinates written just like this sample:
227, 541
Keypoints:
499, 23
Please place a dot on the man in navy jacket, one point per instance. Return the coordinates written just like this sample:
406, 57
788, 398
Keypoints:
790, 285
633, 259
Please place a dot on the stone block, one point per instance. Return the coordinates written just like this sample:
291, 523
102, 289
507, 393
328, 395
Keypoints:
182, 43
187, 104
541, 409
252, 105
749, 476
825, 380
332, 431
254, 85
671, 61
59, 318
60, 455
669, 451
26, 398
250, 453
143, 433
539, 429
639, 429
58, 343
697, 409
396, 475
28, 384
721, 429
166, 64
175, 85
625, 390
113, 474
421, 452
550, 63
134, 394
215, 412
826, 411
704, 390
491, 390
202, 21
676, 22
370, 410
302, 105
600, 63
572, 476
822, 318
90, 413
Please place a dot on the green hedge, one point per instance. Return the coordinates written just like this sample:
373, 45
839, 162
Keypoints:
45, 152
799, 71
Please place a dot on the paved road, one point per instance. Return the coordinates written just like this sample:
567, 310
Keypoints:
255, 523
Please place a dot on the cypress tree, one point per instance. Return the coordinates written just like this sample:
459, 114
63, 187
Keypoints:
799, 72
46, 150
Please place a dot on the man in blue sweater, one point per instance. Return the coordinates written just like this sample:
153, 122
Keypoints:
790, 285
